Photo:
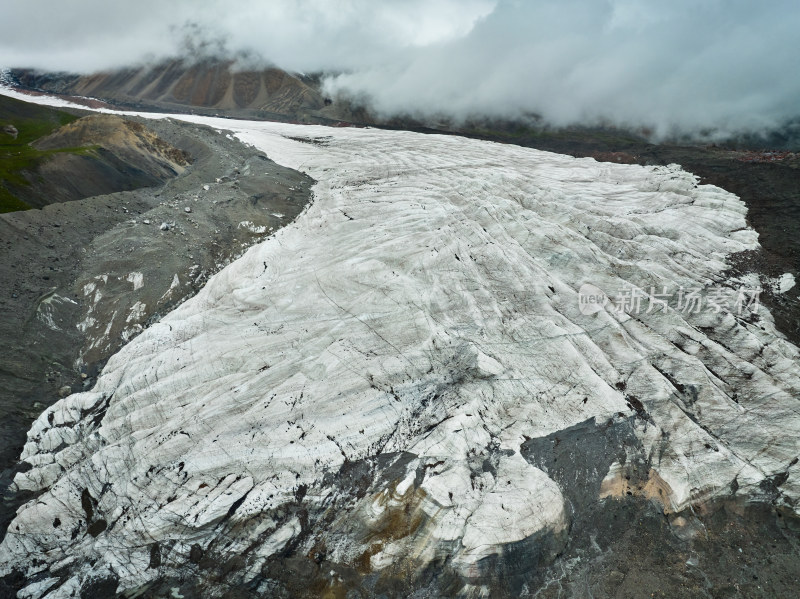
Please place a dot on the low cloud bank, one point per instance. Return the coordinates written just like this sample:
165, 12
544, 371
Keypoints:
711, 67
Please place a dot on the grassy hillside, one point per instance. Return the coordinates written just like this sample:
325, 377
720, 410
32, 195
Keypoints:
16, 155
59, 157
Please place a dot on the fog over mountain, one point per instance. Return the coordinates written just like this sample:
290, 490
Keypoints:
678, 66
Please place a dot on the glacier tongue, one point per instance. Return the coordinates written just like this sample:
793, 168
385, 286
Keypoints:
422, 317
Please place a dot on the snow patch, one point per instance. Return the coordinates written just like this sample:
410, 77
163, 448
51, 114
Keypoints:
137, 279
784, 283
252, 227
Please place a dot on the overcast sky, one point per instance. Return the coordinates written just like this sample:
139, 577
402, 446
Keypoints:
684, 64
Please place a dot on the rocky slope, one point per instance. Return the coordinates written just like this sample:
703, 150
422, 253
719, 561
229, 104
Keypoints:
402, 392
121, 155
80, 279
206, 86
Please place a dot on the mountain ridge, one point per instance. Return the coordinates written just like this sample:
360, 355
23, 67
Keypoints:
209, 85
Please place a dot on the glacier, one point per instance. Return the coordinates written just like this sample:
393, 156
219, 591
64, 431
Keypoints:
379, 377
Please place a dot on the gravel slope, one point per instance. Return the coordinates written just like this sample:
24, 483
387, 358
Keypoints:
80, 279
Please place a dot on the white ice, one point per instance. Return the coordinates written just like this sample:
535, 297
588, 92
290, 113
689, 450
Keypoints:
426, 301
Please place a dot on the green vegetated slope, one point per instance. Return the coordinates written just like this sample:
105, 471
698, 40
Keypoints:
50, 156
18, 159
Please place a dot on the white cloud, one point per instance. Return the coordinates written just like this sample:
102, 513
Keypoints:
682, 64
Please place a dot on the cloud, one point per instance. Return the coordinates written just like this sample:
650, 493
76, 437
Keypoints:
678, 66
683, 65
313, 35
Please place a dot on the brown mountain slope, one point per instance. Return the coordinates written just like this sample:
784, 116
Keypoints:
129, 140
210, 86
115, 155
